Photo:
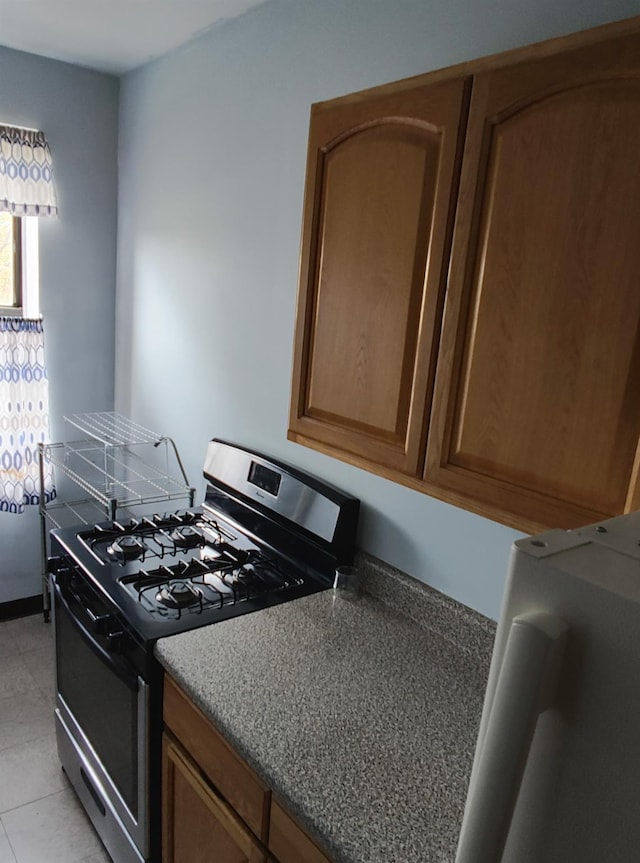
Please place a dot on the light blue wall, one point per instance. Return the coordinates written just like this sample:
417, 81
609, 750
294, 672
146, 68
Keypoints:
212, 159
78, 111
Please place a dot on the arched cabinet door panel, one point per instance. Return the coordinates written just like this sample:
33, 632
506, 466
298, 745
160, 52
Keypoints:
381, 181
537, 401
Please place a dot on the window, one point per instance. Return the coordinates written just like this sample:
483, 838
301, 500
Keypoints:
26, 194
19, 265
10, 261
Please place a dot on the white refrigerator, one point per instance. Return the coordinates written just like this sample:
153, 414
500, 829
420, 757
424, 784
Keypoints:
556, 774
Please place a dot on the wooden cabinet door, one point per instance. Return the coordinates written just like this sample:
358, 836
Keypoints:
380, 191
289, 842
537, 404
224, 768
197, 825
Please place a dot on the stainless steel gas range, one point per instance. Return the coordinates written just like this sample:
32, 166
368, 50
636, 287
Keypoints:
265, 534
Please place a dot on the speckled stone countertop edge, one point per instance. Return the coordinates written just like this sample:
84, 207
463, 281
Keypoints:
425, 606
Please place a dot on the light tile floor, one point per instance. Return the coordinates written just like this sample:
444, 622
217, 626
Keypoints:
41, 820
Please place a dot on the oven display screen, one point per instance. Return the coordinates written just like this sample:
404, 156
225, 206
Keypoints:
264, 478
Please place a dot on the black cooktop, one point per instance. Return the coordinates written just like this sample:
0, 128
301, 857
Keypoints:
162, 578
266, 534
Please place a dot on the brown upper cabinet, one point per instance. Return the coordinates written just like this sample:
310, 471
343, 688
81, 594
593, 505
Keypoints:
381, 184
469, 303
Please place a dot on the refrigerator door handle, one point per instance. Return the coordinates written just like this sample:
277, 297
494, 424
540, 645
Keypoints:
525, 687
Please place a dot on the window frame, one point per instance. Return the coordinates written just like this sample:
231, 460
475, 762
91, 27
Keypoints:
26, 268
16, 260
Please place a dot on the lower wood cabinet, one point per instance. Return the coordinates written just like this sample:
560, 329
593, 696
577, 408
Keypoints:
289, 842
198, 825
215, 809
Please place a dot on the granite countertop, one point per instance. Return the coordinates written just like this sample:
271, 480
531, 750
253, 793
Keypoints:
360, 715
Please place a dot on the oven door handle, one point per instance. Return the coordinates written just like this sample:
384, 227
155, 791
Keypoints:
129, 678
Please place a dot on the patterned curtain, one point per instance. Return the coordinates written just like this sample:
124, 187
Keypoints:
26, 173
24, 414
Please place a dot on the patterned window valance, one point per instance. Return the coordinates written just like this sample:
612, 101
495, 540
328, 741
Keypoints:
26, 173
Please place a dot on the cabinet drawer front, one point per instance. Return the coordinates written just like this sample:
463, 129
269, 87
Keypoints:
288, 842
199, 826
235, 780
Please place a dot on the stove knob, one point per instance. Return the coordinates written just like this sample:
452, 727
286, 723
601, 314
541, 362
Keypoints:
100, 623
60, 569
115, 641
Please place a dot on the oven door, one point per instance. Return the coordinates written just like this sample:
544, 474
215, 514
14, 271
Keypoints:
102, 719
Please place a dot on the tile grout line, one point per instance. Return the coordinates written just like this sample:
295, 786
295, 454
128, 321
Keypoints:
10, 844
36, 800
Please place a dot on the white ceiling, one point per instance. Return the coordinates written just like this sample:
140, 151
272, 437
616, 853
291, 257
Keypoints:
110, 35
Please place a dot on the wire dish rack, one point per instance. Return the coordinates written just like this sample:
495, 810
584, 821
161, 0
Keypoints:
117, 464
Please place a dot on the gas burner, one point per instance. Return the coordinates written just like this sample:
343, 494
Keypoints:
244, 578
126, 548
179, 594
181, 517
213, 532
256, 576
186, 537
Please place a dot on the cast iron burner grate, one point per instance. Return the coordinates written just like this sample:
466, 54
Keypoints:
195, 585
157, 536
